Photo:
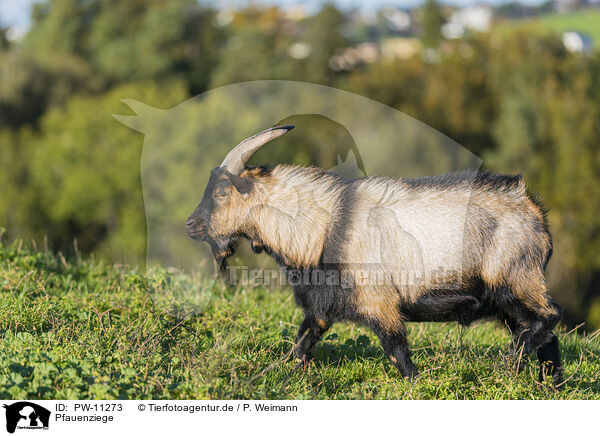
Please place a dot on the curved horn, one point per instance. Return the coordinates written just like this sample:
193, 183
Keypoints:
236, 159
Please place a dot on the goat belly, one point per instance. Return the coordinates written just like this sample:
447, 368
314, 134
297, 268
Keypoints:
444, 307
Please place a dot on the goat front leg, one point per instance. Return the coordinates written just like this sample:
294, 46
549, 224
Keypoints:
311, 330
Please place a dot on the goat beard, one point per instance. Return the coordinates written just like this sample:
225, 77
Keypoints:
221, 250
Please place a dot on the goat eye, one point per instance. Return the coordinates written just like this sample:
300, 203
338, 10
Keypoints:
219, 195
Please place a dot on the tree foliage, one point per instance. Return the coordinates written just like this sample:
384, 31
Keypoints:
432, 23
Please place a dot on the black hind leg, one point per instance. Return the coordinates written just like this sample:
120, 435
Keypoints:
532, 332
539, 338
549, 357
396, 348
540, 331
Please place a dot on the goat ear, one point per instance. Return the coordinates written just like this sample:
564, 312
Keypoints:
242, 184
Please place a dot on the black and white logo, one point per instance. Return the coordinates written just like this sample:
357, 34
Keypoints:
26, 415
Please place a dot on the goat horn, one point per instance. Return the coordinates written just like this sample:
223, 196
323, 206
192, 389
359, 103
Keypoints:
236, 159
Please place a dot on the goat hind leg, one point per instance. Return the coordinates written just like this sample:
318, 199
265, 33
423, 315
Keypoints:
540, 331
539, 338
549, 358
396, 348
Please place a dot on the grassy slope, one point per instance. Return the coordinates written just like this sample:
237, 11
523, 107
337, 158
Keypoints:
585, 21
86, 330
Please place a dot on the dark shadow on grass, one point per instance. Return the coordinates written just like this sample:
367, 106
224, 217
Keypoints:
24, 370
333, 352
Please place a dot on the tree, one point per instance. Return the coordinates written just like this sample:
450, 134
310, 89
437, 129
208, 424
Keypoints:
454, 95
256, 48
433, 21
83, 174
108, 42
326, 38
547, 128
4, 41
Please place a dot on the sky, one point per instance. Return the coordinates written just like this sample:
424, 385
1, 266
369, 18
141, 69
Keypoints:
15, 13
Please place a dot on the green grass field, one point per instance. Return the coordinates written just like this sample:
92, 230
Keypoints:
585, 21
84, 330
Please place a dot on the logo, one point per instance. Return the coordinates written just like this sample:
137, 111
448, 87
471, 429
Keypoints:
26, 415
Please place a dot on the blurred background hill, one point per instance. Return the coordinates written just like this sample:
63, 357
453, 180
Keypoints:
516, 84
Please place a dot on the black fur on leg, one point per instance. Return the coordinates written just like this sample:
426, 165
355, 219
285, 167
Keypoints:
396, 348
538, 333
311, 330
532, 333
529, 330
549, 357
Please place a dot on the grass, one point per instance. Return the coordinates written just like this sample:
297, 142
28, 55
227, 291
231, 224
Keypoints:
585, 21
85, 330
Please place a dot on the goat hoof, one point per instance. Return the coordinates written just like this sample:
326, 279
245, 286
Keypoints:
411, 375
557, 376
303, 362
557, 380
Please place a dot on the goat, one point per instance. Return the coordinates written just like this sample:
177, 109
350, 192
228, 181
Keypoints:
474, 244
